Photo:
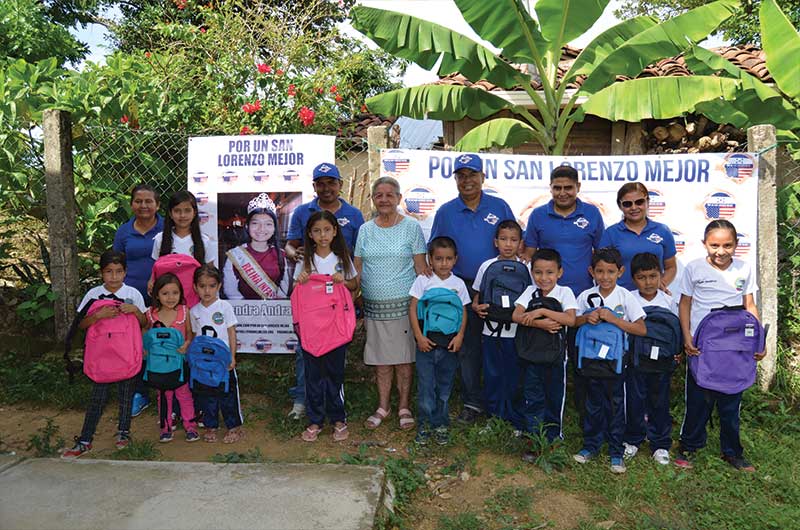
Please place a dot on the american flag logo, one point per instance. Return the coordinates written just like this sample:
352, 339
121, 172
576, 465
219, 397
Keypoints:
396, 166
420, 201
742, 247
263, 345
680, 243
290, 344
202, 198
260, 175
291, 175
204, 217
230, 176
739, 167
200, 177
657, 204
720, 205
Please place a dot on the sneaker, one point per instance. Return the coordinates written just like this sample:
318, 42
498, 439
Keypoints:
630, 451
740, 463
684, 459
618, 465
165, 437
422, 438
192, 436
661, 456
298, 411
583, 456
139, 403
441, 436
123, 440
198, 418
468, 416
80, 449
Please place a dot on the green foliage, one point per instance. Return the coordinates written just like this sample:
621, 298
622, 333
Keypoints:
28, 32
46, 442
462, 521
549, 457
137, 450
38, 308
252, 456
39, 380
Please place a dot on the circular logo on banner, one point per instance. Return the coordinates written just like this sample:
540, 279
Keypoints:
739, 167
291, 344
743, 247
203, 217
419, 202
395, 163
680, 242
720, 205
200, 177
260, 175
291, 175
202, 198
229, 177
657, 204
217, 318
263, 345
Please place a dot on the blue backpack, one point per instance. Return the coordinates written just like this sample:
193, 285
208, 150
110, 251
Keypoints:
209, 359
164, 364
601, 346
656, 351
503, 282
440, 312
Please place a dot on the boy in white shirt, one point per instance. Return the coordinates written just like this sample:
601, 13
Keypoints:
437, 353
605, 401
544, 384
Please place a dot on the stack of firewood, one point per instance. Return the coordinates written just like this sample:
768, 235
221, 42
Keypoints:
692, 134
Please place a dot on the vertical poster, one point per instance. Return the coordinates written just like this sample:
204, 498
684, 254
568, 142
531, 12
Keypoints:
247, 188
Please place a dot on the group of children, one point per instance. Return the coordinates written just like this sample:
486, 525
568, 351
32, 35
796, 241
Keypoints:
622, 410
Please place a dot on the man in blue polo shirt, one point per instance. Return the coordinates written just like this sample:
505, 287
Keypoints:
471, 221
327, 185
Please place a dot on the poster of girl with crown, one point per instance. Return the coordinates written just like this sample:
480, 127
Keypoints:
247, 188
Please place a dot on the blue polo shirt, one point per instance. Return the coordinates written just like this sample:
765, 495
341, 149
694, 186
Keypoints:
656, 238
573, 236
350, 220
473, 232
138, 249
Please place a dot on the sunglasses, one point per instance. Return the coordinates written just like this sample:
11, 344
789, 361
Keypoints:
637, 202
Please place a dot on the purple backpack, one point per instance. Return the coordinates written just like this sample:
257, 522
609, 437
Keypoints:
727, 338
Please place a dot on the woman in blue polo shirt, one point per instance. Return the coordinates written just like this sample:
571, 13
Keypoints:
637, 233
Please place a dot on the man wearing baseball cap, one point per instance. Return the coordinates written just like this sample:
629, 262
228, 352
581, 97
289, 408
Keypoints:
471, 220
327, 185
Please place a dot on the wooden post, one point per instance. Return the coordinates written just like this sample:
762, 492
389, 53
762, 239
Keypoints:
61, 216
761, 139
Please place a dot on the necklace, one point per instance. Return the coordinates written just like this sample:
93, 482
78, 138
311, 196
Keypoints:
394, 222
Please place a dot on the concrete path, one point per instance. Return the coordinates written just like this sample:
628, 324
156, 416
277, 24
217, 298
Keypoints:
45, 493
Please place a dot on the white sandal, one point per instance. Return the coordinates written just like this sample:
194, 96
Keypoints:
374, 421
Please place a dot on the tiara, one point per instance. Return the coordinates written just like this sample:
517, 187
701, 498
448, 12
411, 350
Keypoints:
261, 202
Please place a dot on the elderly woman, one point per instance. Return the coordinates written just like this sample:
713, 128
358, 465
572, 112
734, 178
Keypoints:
637, 233
389, 253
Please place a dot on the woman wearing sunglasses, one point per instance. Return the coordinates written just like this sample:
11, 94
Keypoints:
637, 233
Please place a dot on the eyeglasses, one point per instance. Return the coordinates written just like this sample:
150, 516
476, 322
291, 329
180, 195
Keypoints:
637, 202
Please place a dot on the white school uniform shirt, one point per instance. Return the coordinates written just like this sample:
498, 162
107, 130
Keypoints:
219, 315
184, 245
559, 292
711, 288
476, 285
327, 265
126, 293
661, 299
621, 301
423, 283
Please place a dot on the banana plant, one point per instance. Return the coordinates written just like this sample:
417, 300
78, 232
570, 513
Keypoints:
622, 50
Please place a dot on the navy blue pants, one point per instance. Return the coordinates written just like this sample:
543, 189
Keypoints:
470, 358
501, 377
699, 406
325, 386
228, 404
298, 391
604, 418
543, 393
436, 370
647, 394
578, 381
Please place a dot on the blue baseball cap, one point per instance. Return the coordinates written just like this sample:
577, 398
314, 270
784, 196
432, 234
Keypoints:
326, 170
469, 161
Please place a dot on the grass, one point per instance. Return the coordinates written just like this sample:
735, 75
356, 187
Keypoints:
253, 456
46, 442
137, 450
40, 380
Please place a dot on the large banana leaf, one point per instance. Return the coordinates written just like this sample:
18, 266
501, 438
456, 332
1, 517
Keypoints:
507, 25
663, 40
424, 43
500, 132
782, 45
439, 102
655, 97
562, 21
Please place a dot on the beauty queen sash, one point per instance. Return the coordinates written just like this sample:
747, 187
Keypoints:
252, 273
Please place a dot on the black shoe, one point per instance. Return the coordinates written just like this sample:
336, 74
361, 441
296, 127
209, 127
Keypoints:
684, 459
740, 463
468, 416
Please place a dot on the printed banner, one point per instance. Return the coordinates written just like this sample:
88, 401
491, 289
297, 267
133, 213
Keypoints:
247, 188
686, 191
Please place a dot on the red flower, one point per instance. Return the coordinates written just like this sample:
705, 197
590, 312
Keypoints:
338, 98
292, 91
333, 89
257, 105
306, 116
320, 90
278, 72
247, 108
181, 4
245, 130
202, 30
147, 55
264, 68
364, 108
124, 119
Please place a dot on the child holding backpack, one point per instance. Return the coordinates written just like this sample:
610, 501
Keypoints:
716, 281
217, 316
325, 252
608, 312
653, 360
169, 310
441, 301
126, 352
499, 282
544, 311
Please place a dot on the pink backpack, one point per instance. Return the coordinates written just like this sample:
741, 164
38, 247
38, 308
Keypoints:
113, 346
182, 266
323, 314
